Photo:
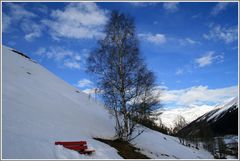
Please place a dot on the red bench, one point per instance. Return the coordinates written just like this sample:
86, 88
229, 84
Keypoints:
80, 146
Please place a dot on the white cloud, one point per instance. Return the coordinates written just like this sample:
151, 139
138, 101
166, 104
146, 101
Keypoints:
58, 53
209, 58
31, 29
218, 32
198, 95
84, 83
171, 7
142, 4
77, 20
63, 57
205, 60
77, 57
196, 16
90, 91
18, 13
71, 64
6, 21
179, 72
32, 35
42, 9
178, 81
156, 39
161, 87
188, 41
40, 51
221, 6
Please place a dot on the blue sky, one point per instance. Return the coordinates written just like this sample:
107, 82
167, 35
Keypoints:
192, 47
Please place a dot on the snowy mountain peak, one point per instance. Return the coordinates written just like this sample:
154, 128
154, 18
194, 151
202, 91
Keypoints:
228, 106
169, 116
222, 120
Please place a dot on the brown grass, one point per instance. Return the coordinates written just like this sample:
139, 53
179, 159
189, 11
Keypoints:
125, 149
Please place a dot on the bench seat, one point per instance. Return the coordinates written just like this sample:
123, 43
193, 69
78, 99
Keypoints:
80, 146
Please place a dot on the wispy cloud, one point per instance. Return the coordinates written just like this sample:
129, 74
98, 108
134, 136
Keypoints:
179, 71
220, 7
196, 16
155, 22
187, 68
188, 41
6, 22
209, 58
63, 57
198, 95
217, 32
40, 51
32, 29
142, 4
18, 11
153, 38
84, 83
19, 14
78, 21
161, 38
43, 9
72, 64
171, 7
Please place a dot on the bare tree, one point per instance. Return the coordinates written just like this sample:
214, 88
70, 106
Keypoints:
221, 148
123, 77
180, 123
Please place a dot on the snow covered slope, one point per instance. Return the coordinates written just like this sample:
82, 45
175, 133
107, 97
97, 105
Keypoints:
39, 109
169, 116
228, 107
223, 120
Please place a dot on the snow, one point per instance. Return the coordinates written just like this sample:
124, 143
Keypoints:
193, 112
223, 109
231, 157
39, 109
230, 139
157, 145
169, 116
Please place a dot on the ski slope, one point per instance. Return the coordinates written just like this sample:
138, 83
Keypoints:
38, 109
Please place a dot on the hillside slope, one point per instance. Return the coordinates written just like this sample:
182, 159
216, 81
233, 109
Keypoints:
38, 109
223, 120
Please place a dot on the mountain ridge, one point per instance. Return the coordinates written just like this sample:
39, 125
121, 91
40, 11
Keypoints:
222, 120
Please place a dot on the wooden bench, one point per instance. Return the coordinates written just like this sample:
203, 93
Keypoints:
80, 146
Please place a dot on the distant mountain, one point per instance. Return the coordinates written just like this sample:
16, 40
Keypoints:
222, 121
168, 116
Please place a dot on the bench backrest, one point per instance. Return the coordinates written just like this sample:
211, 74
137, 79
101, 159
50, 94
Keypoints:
71, 143
74, 145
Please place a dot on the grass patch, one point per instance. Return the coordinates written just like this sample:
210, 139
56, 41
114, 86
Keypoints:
125, 149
